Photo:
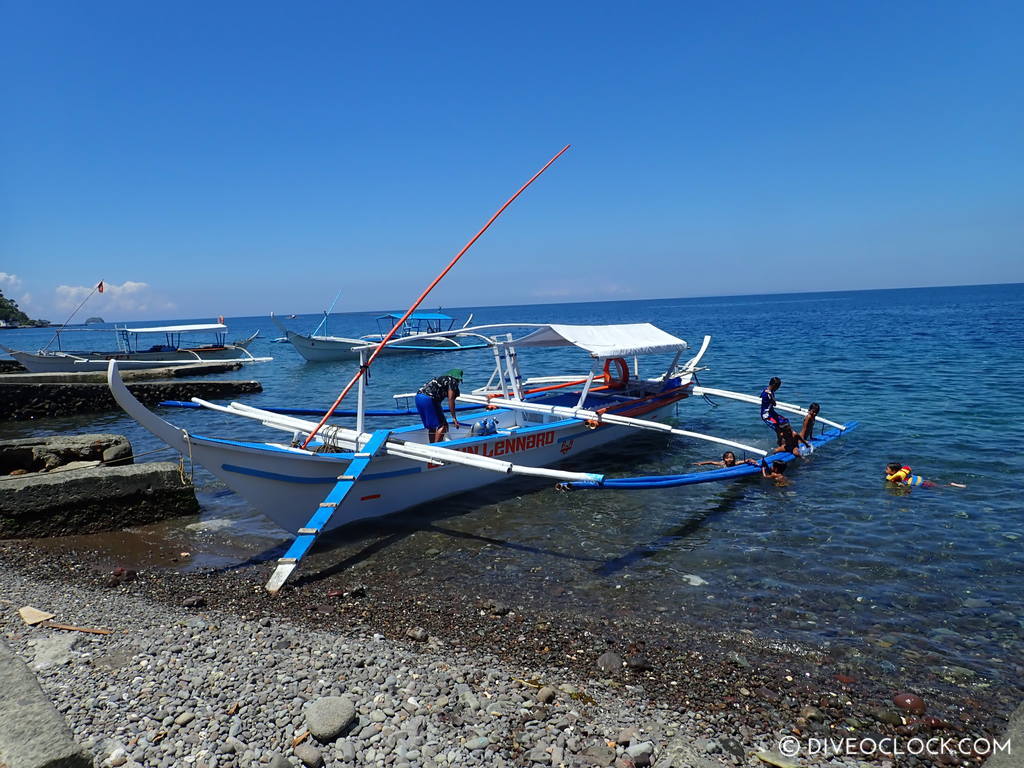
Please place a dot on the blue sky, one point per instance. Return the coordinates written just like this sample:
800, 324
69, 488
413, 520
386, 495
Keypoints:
237, 158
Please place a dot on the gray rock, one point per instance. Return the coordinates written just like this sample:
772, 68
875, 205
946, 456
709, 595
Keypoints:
628, 735
55, 649
738, 659
277, 760
185, 718
217, 524
111, 662
346, 751
610, 663
417, 633
546, 694
477, 742
640, 753
733, 747
309, 755
887, 716
600, 754
329, 717
681, 753
539, 754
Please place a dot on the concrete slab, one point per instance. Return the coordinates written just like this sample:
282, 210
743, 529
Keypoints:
33, 734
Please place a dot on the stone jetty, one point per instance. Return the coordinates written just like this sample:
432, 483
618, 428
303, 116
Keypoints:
25, 396
56, 486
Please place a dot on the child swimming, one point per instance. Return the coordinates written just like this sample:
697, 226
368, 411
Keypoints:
903, 475
775, 471
728, 460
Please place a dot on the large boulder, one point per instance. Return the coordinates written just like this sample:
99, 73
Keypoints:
43, 454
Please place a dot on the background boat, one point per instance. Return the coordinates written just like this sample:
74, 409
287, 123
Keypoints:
135, 352
408, 340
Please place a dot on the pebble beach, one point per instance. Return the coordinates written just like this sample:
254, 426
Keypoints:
207, 670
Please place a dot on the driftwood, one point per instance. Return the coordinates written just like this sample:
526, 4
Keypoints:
36, 618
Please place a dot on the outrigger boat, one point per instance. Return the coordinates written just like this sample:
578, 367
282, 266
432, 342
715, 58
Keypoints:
134, 354
321, 476
419, 333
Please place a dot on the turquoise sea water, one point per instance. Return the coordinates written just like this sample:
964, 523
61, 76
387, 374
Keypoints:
931, 578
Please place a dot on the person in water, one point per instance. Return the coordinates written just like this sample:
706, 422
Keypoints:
903, 475
768, 413
776, 471
728, 460
429, 399
789, 441
807, 429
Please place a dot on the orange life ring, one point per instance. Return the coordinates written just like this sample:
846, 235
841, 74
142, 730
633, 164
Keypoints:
623, 378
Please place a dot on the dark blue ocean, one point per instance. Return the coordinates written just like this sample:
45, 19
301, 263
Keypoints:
932, 578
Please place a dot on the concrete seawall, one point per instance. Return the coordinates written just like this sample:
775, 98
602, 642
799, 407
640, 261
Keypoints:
89, 500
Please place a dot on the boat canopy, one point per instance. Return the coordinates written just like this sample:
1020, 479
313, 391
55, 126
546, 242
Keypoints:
416, 316
178, 328
605, 340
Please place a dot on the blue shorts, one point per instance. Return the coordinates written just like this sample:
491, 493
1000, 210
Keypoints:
430, 411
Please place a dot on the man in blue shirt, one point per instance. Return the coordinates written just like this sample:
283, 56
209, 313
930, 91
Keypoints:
429, 399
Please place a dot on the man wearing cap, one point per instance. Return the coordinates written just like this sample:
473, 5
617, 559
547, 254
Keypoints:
429, 398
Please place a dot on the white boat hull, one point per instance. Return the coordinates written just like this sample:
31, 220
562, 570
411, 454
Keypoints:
67, 362
286, 484
319, 349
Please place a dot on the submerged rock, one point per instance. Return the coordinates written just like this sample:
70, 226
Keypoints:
909, 702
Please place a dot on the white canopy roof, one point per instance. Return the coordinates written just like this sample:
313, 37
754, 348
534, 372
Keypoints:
605, 340
178, 328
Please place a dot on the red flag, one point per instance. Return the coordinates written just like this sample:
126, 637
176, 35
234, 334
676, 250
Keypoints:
100, 287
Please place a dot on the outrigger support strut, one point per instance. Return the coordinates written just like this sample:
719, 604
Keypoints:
311, 531
788, 407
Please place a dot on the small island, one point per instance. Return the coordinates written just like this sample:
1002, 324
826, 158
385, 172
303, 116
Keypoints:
94, 320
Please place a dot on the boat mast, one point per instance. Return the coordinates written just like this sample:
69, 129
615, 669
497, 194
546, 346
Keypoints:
381, 344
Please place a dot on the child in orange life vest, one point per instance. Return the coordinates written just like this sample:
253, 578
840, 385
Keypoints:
904, 475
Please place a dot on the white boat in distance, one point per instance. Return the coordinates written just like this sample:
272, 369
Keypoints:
423, 332
308, 486
133, 353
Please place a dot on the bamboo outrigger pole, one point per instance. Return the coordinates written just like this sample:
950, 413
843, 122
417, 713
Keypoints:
373, 356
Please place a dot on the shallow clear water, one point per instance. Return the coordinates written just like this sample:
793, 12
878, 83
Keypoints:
933, 577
